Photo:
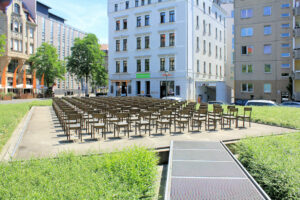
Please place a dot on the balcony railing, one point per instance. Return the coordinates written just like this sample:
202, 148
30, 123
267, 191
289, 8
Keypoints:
297, 75
297, 11
297, 53
297, 32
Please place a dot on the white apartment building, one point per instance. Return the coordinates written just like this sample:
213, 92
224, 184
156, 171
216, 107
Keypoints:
167, 47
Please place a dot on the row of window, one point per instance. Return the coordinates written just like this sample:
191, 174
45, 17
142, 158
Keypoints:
15, 26
209, 29
267, 11
146, 65
147, 42
248, 50
248, 31
248, 87
218, 69
209, 48
248, 68
137, 4
17, 45
146, 20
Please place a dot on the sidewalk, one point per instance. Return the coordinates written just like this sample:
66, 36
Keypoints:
44, 137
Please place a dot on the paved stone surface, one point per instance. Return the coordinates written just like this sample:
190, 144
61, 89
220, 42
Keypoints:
44, 137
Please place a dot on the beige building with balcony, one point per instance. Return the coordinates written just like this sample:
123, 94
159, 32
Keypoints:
264, 43
17, 23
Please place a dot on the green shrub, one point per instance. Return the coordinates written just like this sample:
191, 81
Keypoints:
274, 163
130, 174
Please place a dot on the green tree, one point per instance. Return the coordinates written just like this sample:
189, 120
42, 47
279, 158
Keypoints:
87, 61
46, 61
2, 44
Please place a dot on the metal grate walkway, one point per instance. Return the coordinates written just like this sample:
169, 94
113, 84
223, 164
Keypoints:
208, 170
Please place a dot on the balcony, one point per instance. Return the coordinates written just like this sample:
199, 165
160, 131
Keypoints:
297, 53
297, 75
297, 32
297, 11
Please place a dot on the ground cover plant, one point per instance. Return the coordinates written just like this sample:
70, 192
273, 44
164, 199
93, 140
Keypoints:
273, 162
129, 174
12, 114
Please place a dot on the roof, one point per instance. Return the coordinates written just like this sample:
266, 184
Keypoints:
104, 47
44, 5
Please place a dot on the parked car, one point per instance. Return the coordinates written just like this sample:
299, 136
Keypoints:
240, 102
260, 103
216, 102
291, 104
174, 98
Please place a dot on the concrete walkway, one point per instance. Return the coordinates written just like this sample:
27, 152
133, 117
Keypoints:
44, 137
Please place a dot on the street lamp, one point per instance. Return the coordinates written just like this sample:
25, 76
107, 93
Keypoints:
167, 85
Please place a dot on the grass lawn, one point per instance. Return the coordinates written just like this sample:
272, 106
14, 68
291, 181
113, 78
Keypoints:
280, 116
273, 162
130, 174
12, 114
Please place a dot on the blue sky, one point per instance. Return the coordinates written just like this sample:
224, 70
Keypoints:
89, 16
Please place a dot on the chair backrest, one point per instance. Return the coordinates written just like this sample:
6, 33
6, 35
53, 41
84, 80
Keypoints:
99, 116
218, 111
144, 115
229, 108
122, 116
247, 111
76, 117
166, 113
233, 111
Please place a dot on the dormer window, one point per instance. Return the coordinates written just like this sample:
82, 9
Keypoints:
17, 8
16, 26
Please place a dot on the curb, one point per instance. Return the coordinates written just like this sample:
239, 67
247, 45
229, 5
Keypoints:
13, 143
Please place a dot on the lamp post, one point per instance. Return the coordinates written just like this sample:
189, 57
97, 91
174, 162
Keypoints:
167, 85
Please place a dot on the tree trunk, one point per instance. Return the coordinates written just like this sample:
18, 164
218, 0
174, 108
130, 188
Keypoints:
86, 85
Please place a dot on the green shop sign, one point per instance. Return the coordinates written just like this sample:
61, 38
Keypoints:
145, 75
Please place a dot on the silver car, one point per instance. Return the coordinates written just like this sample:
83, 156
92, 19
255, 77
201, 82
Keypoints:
260, 103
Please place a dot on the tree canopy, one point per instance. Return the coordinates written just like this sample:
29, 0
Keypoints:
2, 44
87, 61
46, 61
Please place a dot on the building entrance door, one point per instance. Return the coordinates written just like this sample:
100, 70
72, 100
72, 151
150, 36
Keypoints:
147, 87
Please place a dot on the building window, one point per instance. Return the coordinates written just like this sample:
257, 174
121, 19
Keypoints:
267, 88
204, 27
16, 26
209, 68
147, 65
247, 50
204, 67
138, 43
172, 16
198, 66
285, 65
267, 68
198, 45
267, 30
209, 29
124, 24
267, 49
117, 45
162, 17
117, 25
17, 9
127, 4
247, 87
285, 74
138, 66
247, 68
287, 5
117, 66
162, 40
31, 32
116, 7
162, 64
147, 42
285, 55
267, 11
285, 25
124, 44
171, 64
204, 46
246, 13
216, 51
204, 8
209, 49
284, 35
285, 15
143, 2
197, 22
136, 3
138, 21
177, 90
149, 2
138, 87
285, 45
147, 20
246, 32
31, 49
172, 39
125, 66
